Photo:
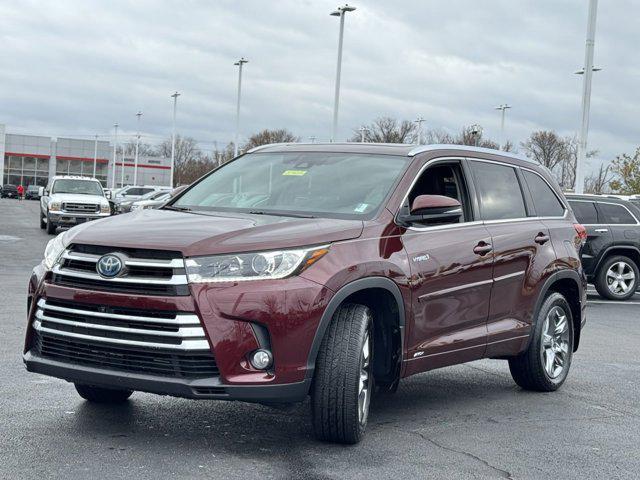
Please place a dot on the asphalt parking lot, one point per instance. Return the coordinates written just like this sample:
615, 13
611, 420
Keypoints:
468, 421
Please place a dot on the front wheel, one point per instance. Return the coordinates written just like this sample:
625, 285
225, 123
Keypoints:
617, 278
95, 394
544, 366
51, 227
43, 224
344, 377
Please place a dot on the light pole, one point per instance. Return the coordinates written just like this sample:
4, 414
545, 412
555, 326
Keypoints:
122, 170
239, 64
95, 156
503, 108
339, 12
586, 95
363, 130
135, 161
476, 131
173, 138
115, 153
418, 121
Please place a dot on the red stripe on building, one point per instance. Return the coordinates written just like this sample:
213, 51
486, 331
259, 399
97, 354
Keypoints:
160, 167
82, 159
35, 155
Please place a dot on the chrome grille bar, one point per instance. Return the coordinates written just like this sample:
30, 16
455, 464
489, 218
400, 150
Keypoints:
174, 280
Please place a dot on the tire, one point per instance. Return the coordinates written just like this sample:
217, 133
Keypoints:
43, 224
51, 228
102, 395
611, 286
530, 369
339, 411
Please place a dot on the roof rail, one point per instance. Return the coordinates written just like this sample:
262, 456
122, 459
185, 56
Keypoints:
429, 148
261, 147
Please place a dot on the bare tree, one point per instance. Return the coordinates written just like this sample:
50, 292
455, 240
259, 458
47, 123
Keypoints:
468, 136
598, 182
144, 149
437, 136
387, 130
627, 171
266, 136
546, 147
187, 152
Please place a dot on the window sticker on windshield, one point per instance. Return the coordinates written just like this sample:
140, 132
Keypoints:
294, 173
361, 208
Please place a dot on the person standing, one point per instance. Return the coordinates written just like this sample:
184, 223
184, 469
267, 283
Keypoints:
20, 192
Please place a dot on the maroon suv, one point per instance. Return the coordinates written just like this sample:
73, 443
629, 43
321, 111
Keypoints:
321, 270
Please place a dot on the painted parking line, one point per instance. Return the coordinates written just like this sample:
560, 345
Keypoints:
612, 302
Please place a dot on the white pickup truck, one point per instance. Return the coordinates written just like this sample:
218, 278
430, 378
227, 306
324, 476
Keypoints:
69, 200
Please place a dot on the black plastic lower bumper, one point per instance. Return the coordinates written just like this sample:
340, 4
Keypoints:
204, 388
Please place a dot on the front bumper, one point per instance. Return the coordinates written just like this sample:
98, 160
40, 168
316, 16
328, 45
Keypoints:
65, 218
202, 388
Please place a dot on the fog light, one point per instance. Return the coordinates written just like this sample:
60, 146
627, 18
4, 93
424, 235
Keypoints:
261, 359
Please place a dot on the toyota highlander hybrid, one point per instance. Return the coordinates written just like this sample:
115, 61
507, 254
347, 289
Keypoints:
317, 270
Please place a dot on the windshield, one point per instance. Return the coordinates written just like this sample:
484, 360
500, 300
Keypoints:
78, 187
339, 185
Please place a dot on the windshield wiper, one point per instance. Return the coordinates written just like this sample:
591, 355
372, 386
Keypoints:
177, 209
280, 214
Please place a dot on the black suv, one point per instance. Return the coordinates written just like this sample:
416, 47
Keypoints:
9, 191
611, 257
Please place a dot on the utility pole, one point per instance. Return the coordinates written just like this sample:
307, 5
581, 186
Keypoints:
135, 162
503, 108
238, 64
122, 171
173, 138
115, 153
95, 156
586, 95
418, 121
339, 12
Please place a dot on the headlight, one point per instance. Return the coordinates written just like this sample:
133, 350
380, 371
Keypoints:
55, 206
54, 249
135, 207
105, 208
252, 266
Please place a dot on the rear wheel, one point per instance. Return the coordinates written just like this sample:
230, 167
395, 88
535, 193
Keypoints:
95, 394
544, 366
344, 377
617, 278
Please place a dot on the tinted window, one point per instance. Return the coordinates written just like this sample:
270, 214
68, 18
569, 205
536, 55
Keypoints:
78, 187
585, 212
499, 191
615, 214
544, 198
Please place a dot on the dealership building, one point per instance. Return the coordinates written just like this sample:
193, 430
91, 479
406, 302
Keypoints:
32, 160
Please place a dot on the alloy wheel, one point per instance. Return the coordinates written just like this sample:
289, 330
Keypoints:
555, 342
620, 278
364, 384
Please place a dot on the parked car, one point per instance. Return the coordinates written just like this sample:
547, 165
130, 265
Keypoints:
124, 198
70, 200
611, 257
156, 199
32, 192
322, 270
9, 191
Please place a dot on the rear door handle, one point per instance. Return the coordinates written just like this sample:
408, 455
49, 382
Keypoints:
601, 230
482, 248
542, 238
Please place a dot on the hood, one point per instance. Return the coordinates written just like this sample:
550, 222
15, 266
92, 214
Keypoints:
70, 197
196, 234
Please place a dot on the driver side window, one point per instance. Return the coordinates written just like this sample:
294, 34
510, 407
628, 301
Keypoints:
447, 180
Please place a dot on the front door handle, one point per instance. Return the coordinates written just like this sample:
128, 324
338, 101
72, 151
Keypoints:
602, 230
482, 248
542, 238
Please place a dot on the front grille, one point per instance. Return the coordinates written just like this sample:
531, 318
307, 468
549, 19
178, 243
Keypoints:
70, 207
117, 338
146, 272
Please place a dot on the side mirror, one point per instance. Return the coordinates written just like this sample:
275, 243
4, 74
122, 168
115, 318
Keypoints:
41, 192
433, 209
107, 194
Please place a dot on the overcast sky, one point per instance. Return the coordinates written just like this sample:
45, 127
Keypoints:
75, 67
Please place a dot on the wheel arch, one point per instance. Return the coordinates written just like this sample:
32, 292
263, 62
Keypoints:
377, 293
626, 250
569, 283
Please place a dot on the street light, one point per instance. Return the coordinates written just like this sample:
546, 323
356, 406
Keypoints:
238, 64
418, 121
476, 131
95, 156
504, 108
135, 162
173, 138
115, 153
587, 73
362, 131
339, 12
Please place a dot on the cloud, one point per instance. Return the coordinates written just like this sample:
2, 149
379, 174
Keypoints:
74, 68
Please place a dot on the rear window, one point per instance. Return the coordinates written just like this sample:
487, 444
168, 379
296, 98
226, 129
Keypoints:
616, 214
499, 191
544, 198
585, 212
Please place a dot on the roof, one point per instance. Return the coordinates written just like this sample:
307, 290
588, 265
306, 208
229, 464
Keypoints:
74, 177
403, 149
594, 197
